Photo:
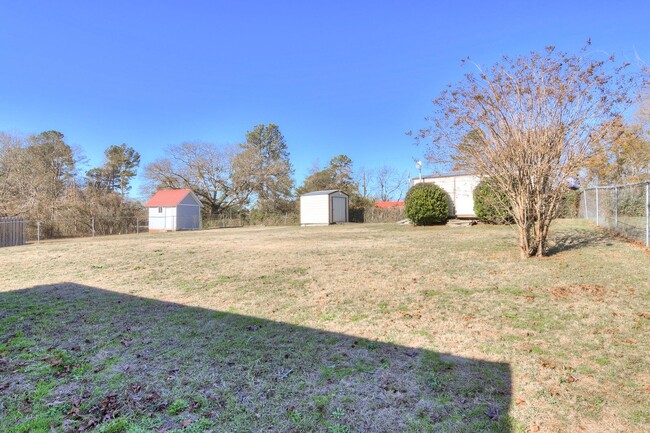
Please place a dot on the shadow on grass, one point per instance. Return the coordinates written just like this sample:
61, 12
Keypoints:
76, 358
576, 239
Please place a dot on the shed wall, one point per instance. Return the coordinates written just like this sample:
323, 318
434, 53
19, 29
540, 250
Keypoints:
188, 217
314, 209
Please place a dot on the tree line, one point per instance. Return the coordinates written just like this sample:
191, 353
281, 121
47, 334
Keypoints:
256, 177
45, 179
40, 180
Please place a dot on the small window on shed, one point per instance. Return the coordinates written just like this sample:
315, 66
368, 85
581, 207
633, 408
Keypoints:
160, 210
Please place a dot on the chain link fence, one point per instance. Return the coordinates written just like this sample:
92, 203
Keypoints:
84, 227
624, 209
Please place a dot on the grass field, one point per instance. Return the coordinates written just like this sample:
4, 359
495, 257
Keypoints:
352, 328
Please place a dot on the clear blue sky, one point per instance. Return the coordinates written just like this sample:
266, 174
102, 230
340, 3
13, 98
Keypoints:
337, 76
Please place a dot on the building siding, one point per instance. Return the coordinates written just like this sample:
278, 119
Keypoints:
314, 209
460, 192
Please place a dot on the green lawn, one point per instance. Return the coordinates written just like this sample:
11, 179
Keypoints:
335, 329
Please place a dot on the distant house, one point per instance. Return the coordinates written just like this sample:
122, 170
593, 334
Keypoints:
324, 207
459, 186
174, 209
388, 204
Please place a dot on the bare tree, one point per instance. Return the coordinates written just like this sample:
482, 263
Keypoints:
205, 169
364, 177
530, 123
389, 183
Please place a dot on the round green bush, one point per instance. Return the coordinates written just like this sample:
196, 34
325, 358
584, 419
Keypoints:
490, 204
426, 204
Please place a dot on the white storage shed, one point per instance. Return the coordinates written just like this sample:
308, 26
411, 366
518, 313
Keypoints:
324, 207
174, 209
459, 186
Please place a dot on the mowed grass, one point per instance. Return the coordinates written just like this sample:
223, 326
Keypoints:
334, 329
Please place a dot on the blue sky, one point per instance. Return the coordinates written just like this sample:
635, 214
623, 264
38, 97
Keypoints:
336, 76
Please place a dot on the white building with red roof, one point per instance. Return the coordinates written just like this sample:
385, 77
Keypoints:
174, 209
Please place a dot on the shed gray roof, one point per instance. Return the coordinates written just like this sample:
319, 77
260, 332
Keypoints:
449, 174
324, 192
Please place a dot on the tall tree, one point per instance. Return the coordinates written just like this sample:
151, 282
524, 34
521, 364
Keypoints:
537, 120
264, 166
50, 172
121, 165
119, 168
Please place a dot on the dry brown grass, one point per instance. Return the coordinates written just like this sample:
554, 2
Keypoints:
573, 327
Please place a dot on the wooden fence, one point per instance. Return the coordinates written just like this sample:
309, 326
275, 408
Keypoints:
12, 231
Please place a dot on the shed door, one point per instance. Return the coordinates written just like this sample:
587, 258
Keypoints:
340, 209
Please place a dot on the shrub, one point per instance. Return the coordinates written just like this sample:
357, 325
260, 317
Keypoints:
569, 205
490, 204
426, 204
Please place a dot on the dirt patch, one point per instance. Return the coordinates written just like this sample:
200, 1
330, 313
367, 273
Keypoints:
579, 290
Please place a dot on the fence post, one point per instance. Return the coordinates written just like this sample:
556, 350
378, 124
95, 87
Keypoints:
597, 208
584, 191
92, 225
616, 207
647, 214
137, 226
38, 232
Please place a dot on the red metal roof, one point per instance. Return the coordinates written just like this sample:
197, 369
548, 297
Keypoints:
167, 197
387, 204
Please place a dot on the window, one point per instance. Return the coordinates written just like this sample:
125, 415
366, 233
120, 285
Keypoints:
159, 210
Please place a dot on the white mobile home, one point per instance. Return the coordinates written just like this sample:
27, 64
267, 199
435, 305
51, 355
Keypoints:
460, 188
324, 207
174, 209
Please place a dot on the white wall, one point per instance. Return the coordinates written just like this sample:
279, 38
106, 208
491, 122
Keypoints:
162, 220
460, 190
314, 209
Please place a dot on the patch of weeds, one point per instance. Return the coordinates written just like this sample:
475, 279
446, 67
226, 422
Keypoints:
17, 343
80, 370
471, 388
329, 372
321, 402
434, 371
42, 390
327, 317
601, 361
337, 428
538, 350
367, 344
41, 423
200, 426
429, 293
434, 381
640, 417
117, 425
177, 406
338, 413
222, 279
295, 417
383, 307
